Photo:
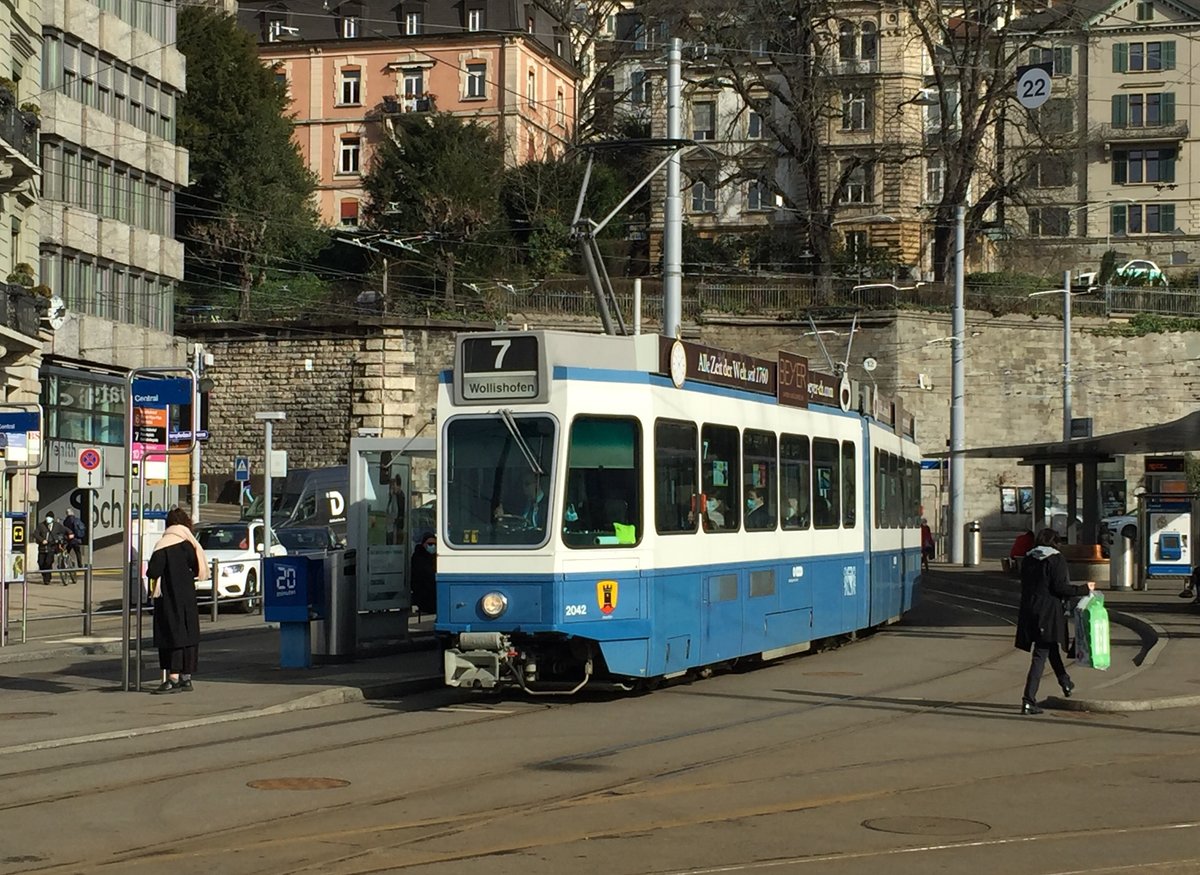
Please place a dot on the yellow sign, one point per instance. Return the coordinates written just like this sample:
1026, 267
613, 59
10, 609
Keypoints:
606, 596
179, 469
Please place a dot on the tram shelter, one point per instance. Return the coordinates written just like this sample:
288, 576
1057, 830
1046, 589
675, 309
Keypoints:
1086, 454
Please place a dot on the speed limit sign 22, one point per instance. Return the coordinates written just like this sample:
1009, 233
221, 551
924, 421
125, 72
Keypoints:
1033, 85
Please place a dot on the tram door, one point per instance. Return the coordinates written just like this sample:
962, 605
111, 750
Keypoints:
722, 632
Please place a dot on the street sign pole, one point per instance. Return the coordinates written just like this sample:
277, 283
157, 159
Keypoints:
23, 419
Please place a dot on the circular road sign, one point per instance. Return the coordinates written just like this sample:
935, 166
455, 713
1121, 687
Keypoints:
89, 459
1033, 87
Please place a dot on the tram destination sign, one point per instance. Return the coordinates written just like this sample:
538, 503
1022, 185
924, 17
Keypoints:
492, 367
708, 364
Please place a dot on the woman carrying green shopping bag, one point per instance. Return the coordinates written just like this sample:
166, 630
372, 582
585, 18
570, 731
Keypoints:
1042, 622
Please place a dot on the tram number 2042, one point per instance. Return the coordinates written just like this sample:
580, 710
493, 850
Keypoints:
576, 610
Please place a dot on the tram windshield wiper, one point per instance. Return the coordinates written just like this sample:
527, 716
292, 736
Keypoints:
511, 424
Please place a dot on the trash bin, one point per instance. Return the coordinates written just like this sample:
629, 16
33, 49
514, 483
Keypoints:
972, 543
337, 632
1120, 563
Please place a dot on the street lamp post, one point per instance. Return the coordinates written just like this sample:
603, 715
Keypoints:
268, 419
958, 328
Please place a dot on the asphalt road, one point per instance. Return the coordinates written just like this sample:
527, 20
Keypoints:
900, 753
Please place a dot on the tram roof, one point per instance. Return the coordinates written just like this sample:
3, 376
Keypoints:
1179, 436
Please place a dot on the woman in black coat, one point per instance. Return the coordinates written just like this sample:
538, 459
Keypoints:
423, 574
1042, 622
177, 562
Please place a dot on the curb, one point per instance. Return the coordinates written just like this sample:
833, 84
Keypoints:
340, 695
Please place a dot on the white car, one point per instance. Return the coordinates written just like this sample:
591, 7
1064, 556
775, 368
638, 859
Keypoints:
237, 547
1112, 527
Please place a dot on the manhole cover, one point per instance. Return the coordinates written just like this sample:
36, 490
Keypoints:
26, 715
927, 826
833, 674
297, 784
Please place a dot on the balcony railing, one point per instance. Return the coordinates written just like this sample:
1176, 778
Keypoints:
1126, 133
399, 105
19, 135
857, 67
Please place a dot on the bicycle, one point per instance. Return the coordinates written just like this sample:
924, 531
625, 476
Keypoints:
65, 561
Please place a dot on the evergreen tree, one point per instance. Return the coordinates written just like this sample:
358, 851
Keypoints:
248, 212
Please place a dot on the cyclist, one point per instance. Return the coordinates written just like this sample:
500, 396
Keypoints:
49, 535
76, 535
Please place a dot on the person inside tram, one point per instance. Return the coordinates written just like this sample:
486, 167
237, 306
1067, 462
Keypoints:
714, 513
533, 504
757, 515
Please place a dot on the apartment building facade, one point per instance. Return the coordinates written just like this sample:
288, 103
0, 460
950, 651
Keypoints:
349, 70
111, 80
1123, 80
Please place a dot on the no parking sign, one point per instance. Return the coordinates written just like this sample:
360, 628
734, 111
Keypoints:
91, 473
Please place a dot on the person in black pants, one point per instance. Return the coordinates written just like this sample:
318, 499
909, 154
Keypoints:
1192, 589
1041, 621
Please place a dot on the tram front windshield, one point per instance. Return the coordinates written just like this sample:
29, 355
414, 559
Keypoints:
495, 495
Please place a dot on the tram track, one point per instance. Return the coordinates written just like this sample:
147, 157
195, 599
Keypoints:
451, 827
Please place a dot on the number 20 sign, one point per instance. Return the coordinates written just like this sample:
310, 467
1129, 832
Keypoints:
1033, 85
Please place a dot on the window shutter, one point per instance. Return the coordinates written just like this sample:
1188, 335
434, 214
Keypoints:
1168, 108
1120, 167
1167, 166
1168, 55
1120, 57
1063, 67
1120, 110
1116, 221
1035, 56
1166, 219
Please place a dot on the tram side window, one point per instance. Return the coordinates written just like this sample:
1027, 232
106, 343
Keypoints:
758, 472
880, 492
603, 502
794, 481
675, 476
720, 470
914, 494
825, 483
849, 482
895, 505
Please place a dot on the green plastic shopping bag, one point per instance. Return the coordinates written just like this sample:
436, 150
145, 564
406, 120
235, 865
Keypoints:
1095, 626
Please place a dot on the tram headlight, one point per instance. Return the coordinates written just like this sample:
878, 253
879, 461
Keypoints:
493, 604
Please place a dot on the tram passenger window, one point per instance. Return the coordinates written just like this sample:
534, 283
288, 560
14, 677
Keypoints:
895, 505
794, 481
675, 477
602, 507
720, 470
914, 494
880, 491
849, 482
758, 473
826, 490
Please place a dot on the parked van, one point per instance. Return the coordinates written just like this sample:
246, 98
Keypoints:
308, 497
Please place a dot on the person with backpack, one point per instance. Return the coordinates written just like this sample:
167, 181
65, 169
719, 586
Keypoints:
1042, 621
76, 535
48, 535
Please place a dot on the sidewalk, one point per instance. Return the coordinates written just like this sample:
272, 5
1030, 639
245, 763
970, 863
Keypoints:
239, 679
1165, 673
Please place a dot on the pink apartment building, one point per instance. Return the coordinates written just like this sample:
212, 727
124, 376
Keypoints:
351, 68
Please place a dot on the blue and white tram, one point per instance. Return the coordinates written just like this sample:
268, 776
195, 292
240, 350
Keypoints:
628, 509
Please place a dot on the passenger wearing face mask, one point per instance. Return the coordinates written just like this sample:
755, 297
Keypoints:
423, 574
48, 535
714, 513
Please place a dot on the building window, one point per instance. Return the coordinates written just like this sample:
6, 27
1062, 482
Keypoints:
560, 106
1143, 219
1056, 116
637, 87
1058, 57
1131, 166
1143, 110
349, 212
558, 47
755, 129
858, 42
412, 24
935, 179
1143, 57
531, 88
1052, 171
474, 20
857, 188
758, 196
1049, 222
476, 80
704, 120
529, 24
351, 87
413, 83
348, 157
1145, 11
349, 27
868, 42
704, 196
856, 110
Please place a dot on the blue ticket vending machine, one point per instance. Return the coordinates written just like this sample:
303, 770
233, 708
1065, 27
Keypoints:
293, 597
1168, 535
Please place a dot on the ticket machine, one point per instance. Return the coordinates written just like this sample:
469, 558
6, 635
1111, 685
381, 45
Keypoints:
1166, 512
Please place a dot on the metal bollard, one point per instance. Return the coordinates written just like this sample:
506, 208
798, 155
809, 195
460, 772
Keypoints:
972, 544
216, 570
1121, 574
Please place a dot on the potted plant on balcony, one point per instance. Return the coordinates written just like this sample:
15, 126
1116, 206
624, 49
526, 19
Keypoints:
8, 92
31, 114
